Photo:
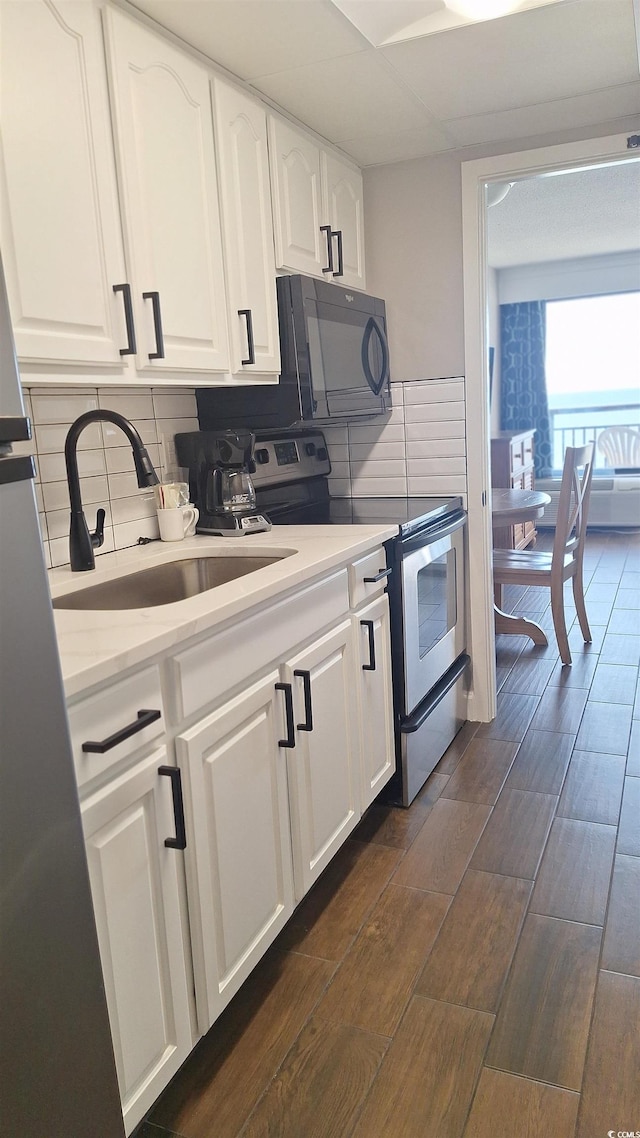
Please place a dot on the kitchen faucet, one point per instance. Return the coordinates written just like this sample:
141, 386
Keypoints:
81, 542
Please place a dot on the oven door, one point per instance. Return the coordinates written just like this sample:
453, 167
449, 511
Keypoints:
433, 624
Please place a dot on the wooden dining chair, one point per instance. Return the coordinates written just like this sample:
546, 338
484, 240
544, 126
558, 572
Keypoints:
530, 567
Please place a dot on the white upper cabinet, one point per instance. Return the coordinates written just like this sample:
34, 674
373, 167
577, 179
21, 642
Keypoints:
241, 142
164, 144
317, 204
60, 226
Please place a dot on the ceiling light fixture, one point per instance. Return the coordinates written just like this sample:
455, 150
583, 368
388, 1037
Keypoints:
496, 192
482, 9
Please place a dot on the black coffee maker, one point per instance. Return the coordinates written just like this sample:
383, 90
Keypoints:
220, 468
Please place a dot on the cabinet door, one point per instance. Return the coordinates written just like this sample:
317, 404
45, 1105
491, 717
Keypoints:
301, 244
241, 138
342, 191
164, 135
376, 698
61, 240
323, 776
239, 863
134, 884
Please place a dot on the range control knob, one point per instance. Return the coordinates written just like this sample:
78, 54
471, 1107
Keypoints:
261, 456
321, 454
310, 449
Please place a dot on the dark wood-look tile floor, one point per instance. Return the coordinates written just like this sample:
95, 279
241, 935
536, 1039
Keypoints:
467, 968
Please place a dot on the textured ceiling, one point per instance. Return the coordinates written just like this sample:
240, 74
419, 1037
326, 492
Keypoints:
580, 214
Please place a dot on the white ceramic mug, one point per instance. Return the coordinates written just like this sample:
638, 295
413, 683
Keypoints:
177, 523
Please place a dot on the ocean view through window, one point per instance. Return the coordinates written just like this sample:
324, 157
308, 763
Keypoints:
592, 364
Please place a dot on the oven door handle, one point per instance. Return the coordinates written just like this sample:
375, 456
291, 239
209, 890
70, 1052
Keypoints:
414, 722
428, 537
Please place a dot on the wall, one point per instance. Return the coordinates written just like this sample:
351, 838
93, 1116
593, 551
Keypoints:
104, 459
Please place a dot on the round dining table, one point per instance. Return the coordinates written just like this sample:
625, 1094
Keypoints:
510, 507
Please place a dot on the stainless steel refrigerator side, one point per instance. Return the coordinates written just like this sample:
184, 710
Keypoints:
57, 1070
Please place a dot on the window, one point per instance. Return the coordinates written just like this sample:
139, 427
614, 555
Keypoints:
592, 367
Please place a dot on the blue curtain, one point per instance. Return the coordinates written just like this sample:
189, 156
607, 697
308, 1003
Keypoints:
523, 384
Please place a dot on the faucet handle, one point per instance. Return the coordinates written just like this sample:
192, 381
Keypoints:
97, 537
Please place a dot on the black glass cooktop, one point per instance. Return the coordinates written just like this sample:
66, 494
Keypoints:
409, 514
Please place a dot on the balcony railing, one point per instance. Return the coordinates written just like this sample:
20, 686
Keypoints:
573, 427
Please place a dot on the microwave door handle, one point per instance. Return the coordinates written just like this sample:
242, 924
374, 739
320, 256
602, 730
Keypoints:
372, 327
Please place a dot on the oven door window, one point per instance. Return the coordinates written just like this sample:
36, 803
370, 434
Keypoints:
437, 608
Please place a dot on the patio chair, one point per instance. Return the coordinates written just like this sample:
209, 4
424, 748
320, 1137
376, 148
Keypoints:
620, 447
530, 567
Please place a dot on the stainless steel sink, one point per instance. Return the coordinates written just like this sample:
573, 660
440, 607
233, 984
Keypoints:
164, 584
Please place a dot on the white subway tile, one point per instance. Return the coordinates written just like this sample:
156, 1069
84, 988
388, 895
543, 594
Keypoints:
397, 394
376, 452
435, 448
169, 428
122, 485
58, 520
119, 460
451, 484
61, 406
338, 452
378, 468
115, 437
39, 497
440, 467
335, 435
434, 412
93, 491
51, 438
24, 448
379, 487
127, 533
389, 433
46, 546
133, 508
53, 469
60, 547
340, 469
448, 429
433, 391
175, 405
42, 521
131, 406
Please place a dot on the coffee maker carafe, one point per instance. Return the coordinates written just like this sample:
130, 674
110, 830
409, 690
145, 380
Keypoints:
220, 467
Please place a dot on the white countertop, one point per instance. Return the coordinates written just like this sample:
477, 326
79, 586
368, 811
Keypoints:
96, 645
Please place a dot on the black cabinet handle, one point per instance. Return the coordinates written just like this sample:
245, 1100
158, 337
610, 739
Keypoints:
251, 358
290, 740
143, 720
371, 666
327, 229
308, 709
340, 270
131, 348
380, 575
180, 840
154, 297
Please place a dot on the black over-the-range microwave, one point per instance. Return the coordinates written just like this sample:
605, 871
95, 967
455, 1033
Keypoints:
335, 362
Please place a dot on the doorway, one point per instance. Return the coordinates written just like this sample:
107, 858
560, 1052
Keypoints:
475, 176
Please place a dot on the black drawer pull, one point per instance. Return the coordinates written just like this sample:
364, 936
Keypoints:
380, 575
143, 720
180, 840
327, 229
290, 740
371, 666
308, 709
154, 297
251, 358
131, 348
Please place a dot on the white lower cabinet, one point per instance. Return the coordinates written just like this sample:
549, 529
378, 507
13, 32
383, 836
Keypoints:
239, 850
323, 781
376, 698
135, 888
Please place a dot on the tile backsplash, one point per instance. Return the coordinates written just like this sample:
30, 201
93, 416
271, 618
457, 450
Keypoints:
419, 448
105, 462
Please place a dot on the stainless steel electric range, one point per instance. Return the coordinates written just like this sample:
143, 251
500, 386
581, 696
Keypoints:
425, 583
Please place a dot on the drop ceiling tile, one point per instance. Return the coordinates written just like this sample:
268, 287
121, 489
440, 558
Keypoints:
560, 114
397, 146
520, 60
347, 97
257, 37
